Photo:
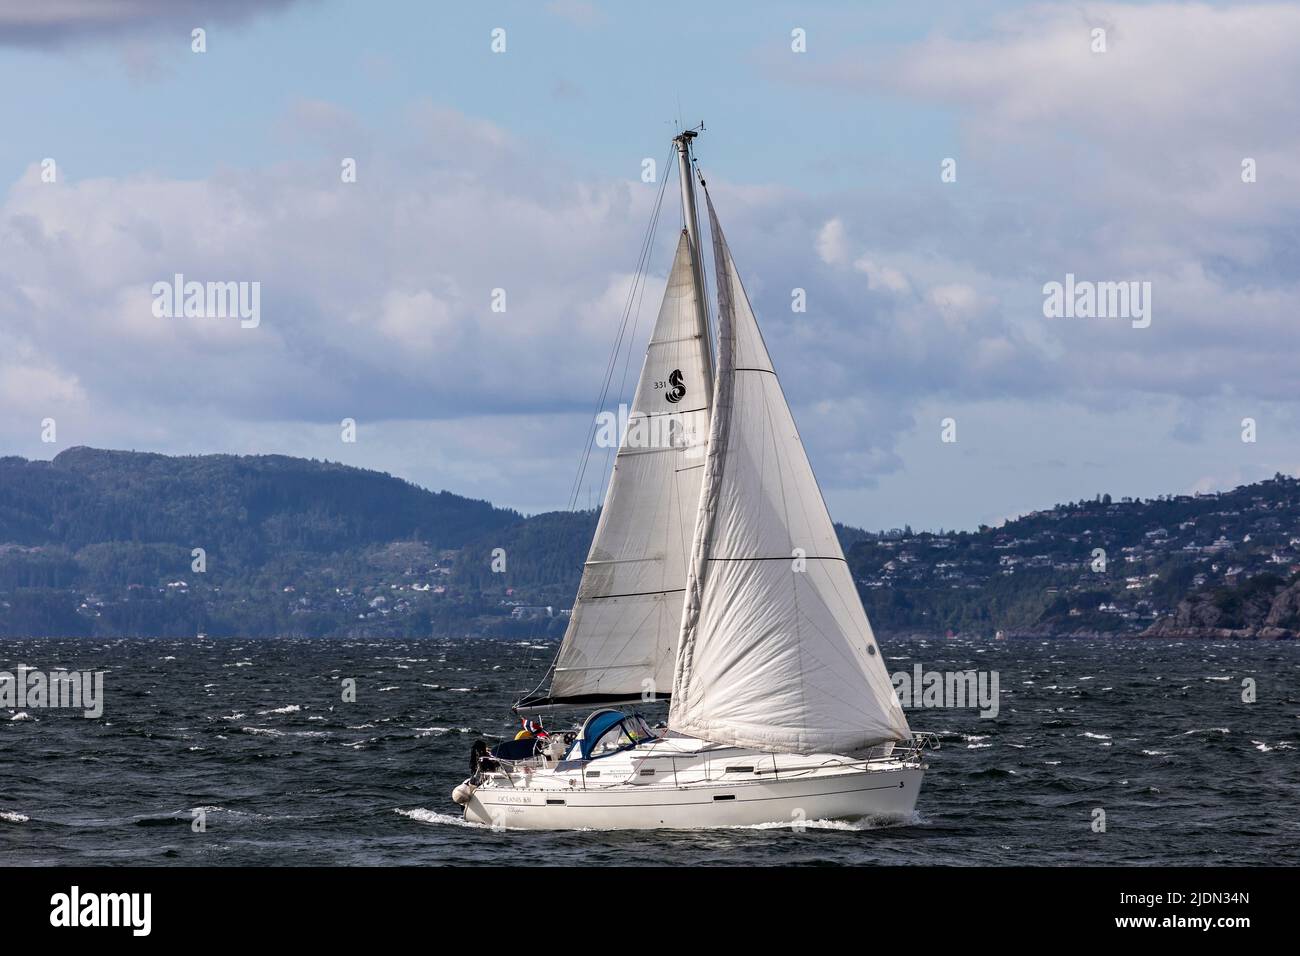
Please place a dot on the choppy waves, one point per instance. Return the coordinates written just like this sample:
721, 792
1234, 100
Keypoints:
256, 742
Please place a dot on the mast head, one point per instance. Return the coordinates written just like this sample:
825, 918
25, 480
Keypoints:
683, 139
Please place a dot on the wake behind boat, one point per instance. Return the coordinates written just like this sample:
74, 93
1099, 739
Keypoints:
715, 571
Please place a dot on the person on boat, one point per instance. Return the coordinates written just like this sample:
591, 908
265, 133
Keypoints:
532, 728
480, 759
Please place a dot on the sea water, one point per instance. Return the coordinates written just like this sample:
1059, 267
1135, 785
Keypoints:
229, 752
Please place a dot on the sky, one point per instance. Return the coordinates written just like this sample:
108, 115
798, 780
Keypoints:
922, 171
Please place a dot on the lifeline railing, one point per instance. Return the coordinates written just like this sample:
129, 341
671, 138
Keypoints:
909, 749
902, 751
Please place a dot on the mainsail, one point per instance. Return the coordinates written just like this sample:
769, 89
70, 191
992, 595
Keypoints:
776, 652
621, 642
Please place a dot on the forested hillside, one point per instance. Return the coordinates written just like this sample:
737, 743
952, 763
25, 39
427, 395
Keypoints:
104, 543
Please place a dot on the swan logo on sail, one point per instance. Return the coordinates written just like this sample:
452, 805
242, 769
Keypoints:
678, 390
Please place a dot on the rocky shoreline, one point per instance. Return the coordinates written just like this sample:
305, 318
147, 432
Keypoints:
1265, 608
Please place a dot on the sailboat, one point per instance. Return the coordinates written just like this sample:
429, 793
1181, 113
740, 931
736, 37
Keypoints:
715, 583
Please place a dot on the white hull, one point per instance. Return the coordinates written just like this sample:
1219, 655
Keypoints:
700, 794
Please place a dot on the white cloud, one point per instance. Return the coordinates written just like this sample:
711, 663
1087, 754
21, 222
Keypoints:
956, 302
832, 242
53, 22
388, 280
577, 12
882, 277
376, 295
1183, 93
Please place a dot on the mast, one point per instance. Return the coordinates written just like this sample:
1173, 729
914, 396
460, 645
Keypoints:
622, 636
692, 220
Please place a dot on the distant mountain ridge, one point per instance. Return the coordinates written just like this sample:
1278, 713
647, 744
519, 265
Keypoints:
87, 495
120, 528
102, 543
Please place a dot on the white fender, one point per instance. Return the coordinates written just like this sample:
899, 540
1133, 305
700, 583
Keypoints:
463, 792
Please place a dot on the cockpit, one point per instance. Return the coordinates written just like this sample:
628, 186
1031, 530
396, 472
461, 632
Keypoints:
608, 732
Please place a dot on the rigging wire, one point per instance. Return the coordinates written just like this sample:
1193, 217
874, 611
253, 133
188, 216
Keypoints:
633, 301
627, 357
631, 312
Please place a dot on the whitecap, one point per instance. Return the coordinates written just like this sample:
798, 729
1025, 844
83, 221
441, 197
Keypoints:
22, 715
421, 815
430, 731
287, 709
8, 816
866, 823
1092, 736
